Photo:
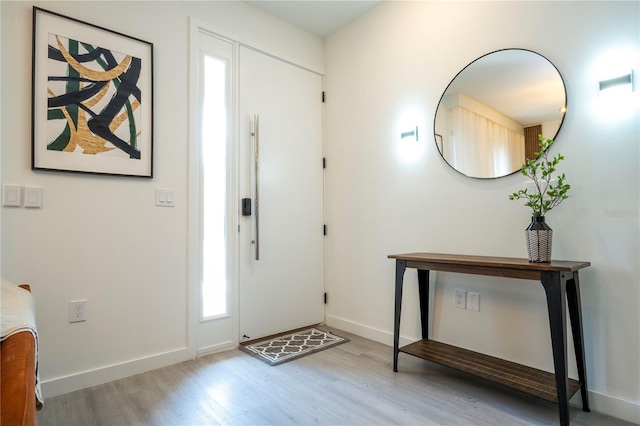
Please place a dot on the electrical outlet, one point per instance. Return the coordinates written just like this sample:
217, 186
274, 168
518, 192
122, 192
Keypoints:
77, 311
473, 301
460, 298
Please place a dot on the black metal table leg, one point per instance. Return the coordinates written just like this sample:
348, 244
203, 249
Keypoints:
401, 265
555, 284
423, 295
575, 316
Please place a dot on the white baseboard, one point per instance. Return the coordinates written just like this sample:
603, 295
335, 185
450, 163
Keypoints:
367, 332
85, 379
615, 407
215, 348
605, 404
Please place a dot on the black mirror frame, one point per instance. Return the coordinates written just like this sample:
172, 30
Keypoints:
436, 135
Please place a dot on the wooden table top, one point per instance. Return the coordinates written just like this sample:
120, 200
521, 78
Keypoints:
443, 260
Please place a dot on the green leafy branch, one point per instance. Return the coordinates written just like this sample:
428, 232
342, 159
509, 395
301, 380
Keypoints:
547, 195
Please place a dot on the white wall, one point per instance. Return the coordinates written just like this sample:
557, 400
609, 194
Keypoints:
386, 196
101, 238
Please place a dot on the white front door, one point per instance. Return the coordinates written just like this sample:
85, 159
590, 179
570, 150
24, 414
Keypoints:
281, 276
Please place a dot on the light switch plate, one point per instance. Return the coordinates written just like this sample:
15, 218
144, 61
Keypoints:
473, 301
32, 197
165, 197
11, 196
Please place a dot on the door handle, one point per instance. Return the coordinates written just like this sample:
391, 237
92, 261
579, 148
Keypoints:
256, 167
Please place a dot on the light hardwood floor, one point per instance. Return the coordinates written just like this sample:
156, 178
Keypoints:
350, 384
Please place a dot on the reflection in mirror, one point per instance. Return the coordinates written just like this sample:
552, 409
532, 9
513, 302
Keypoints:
489, 117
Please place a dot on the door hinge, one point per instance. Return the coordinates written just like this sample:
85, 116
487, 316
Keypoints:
323, 96
325, 298
324, 162
324, 229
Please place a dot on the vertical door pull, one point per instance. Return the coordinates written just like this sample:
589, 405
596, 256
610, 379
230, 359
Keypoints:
256, 166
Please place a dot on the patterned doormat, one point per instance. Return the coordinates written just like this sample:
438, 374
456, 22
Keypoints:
281, 349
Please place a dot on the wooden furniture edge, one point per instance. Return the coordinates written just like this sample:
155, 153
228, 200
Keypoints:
452, 260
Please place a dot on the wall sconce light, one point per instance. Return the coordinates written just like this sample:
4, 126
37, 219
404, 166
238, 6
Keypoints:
624, 80
409, 134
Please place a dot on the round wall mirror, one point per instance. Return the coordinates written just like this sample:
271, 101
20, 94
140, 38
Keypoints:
489, 117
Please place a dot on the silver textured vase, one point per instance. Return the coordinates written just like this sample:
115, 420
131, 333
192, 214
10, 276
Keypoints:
539, 240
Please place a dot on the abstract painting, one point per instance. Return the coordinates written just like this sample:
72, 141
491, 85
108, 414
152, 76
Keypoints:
92, 98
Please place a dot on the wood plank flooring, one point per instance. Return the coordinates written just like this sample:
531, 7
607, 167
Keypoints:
350, 384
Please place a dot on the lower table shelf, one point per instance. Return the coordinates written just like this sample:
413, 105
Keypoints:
516, 376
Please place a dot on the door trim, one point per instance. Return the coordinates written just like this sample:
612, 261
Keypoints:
194, 189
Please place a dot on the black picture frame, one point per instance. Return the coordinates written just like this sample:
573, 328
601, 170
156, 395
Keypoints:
92, 98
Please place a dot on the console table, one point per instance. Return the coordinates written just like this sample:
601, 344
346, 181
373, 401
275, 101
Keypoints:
562, 288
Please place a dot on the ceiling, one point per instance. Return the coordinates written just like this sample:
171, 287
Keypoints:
318, 17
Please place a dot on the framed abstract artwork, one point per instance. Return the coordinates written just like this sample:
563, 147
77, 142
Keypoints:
92, 94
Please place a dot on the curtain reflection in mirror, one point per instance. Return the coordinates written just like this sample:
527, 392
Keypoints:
479, 140
482, 147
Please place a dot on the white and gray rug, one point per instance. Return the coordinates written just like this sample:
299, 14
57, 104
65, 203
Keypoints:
284, 348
